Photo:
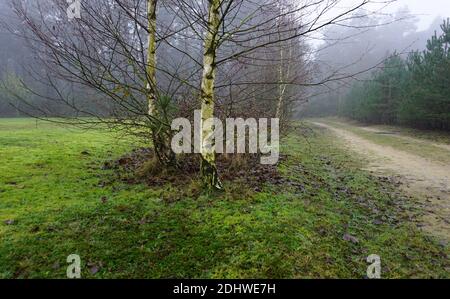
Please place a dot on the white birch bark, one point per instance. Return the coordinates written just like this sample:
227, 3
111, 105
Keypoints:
151, 57
208, 164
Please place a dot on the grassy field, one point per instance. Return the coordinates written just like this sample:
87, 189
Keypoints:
323, 223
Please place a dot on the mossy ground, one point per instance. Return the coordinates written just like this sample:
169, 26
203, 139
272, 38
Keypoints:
52, 186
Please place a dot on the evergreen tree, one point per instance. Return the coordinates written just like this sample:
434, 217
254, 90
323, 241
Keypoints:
413, 92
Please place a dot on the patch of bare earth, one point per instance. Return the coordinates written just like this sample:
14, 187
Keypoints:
141, 167
425, 179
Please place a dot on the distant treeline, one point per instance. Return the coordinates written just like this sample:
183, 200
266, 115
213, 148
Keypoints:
412, 91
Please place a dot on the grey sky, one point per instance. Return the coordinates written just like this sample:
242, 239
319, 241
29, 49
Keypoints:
426, 10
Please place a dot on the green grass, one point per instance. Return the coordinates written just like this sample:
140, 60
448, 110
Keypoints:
53, 193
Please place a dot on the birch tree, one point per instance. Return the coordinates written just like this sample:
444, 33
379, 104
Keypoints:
208, 162
151, 56
109, 55
161, 134
239, 28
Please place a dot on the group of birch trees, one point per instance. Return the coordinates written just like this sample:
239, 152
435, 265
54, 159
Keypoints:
135, 65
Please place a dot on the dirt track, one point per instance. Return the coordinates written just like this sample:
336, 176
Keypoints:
426, 179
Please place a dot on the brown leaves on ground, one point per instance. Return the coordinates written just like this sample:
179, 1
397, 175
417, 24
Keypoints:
142, 166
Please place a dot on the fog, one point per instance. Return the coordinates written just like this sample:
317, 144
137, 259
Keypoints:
350, 52
425, 11
358, 50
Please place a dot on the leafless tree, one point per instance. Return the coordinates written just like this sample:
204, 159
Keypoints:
140, 63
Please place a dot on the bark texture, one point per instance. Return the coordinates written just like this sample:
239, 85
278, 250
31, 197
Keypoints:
161, 135
151, 57
208, 162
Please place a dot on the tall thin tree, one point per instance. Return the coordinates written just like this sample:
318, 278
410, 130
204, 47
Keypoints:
208, 163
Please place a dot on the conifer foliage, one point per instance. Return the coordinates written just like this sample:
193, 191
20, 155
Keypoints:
412, 91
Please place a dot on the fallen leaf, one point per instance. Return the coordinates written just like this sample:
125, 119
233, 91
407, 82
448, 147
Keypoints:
10, 222
93, 270
378, 222
351, 238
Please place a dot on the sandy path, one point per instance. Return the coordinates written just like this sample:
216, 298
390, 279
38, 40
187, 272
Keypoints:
423, 178
407, 138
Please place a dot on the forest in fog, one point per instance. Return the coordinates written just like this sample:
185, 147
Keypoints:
35, 83
377, 68
411, 91
339, 72
399, 75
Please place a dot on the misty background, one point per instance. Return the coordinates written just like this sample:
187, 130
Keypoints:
346, 53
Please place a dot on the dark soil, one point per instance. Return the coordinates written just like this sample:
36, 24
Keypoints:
139, 166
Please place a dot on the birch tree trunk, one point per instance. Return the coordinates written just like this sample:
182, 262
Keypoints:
161, 135
208, 163
282, 85
151, 57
